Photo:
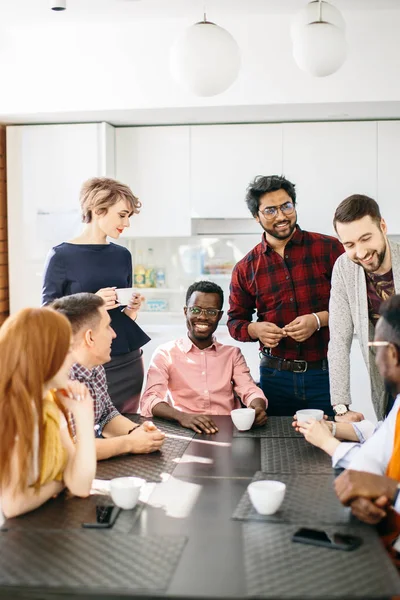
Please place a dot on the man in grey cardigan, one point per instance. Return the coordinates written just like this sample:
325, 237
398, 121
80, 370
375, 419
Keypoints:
367, 274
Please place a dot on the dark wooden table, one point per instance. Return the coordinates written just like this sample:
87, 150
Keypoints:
223, 557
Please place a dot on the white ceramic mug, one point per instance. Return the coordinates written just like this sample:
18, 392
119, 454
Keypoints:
266, 496
243, 418
309, 413
124, 295
125, 491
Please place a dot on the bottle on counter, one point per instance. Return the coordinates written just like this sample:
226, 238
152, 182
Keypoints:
139, 272
150, 275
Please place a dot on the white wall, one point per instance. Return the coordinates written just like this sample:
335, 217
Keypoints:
74, 67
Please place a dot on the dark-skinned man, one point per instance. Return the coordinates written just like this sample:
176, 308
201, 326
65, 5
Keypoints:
372, 482
193, 378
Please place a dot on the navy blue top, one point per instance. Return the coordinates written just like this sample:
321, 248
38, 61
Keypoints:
74, 268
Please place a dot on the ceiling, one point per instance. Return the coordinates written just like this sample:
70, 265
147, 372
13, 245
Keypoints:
28, 11
35, 12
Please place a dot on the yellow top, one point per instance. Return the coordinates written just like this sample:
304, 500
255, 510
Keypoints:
54, 455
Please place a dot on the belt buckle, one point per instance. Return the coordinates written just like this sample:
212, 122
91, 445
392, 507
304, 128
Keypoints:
303, 362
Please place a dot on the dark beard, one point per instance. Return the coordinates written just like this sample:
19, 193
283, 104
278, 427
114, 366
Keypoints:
279, 236
381, 258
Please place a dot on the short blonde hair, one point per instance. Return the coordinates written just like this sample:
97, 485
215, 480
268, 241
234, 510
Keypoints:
99, 193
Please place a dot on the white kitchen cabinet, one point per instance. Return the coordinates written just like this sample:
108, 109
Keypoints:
46, 166
388, 178
328, 162
155, 163
224, 159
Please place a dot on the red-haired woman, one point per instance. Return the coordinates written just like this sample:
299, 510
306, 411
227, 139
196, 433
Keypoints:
38, 457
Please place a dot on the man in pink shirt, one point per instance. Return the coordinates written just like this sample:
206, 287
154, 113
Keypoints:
194, 377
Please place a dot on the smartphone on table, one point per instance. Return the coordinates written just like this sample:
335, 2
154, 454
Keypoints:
336, 541
104, 517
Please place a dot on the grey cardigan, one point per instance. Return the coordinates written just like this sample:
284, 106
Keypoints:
348, 313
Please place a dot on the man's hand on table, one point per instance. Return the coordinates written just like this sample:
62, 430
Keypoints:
145, 439
350, 417
261, 416
368, 495
370, 512
353, 486
199, 423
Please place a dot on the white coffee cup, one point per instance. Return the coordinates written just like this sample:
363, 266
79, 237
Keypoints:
124, 295
243, 418
125, 491
266, 496
309, 413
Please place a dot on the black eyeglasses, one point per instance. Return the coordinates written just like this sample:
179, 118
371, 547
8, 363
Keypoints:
208, 312
270, 212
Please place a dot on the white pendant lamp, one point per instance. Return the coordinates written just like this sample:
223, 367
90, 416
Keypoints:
205, 59
311, 13
319, 39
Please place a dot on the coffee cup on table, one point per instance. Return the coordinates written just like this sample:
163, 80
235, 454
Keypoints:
243, 418
124, 295
309, 413
266, 496
125, 491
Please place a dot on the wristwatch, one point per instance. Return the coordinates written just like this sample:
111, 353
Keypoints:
340, 409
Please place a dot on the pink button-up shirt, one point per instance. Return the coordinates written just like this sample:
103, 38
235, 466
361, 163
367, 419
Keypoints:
198, 381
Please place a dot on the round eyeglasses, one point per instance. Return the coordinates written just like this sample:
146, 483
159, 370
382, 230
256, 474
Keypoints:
270, 212
208, 312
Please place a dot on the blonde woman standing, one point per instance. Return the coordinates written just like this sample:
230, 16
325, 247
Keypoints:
90, 263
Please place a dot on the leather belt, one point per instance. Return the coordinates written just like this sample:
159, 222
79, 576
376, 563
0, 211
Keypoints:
296, 366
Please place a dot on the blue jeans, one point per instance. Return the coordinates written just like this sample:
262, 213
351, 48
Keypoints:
288, 392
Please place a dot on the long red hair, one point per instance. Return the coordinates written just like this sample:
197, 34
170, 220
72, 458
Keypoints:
33, 346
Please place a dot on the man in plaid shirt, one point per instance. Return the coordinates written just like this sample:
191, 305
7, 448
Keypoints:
92, 337
286, 279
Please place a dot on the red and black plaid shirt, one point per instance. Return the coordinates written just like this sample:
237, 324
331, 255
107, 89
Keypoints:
281, 289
